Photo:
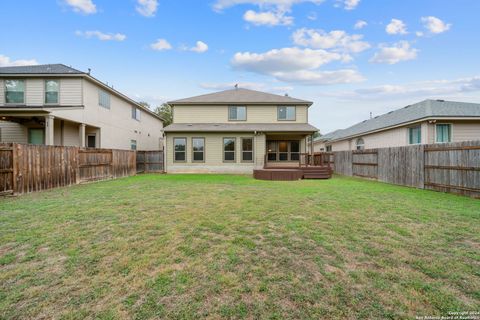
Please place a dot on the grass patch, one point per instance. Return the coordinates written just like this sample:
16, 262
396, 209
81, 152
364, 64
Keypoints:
222, 246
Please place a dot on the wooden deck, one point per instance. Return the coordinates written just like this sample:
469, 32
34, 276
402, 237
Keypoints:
290, 174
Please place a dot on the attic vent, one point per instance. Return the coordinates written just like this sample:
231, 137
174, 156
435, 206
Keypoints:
390, 112
440, 100
408, 106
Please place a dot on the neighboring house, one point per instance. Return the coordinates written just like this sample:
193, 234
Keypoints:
235, 131
426, 122
58, 105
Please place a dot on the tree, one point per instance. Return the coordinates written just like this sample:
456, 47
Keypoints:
165, 112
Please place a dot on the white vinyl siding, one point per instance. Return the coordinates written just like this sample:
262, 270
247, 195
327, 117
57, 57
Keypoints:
34, 92
13, 132
71, 92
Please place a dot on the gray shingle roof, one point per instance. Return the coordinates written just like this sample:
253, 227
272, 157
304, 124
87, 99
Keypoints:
414, 112
240, 95
240, 127
40, 69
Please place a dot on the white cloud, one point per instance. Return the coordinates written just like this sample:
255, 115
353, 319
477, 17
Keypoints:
435, 25
425, 89
269, 18
200, 47
147, 8
101, 36
82, 6
7, 62
360, 24
336, 39
351, 4
161, 45
400, 51
283, 5
396, 26
296, 65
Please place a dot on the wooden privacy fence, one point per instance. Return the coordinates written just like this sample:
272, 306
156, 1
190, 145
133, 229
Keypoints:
150, 161
30, 168
448, 167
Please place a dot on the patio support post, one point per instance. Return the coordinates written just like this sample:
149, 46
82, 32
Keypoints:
49, 130
82, 135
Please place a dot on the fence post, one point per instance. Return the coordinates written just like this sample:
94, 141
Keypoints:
14, 168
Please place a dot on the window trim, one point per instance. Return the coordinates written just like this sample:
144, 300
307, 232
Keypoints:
450, 132
186, 145
242, 151
294, 117
203, 152
45, 92
419, 127
24, 92
289, 150
234, 150
235, 106
362, 146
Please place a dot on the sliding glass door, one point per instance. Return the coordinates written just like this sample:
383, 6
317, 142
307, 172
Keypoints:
283, 150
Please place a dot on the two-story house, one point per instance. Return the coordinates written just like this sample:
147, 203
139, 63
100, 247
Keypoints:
58, 105
236, 131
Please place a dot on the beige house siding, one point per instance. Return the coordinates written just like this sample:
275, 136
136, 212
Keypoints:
34, 92
219, 114
114, 127
397, 137
2, 92
13, 132
214, 154
71, 92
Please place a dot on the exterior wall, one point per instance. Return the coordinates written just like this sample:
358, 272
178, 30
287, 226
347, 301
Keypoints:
115, 127
13, 132
462, 130
2, 92
219, 114
214, 154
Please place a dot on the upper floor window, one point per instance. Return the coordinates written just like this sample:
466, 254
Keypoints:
237, 113
286, 113
51, 91
103, 99
15, 91
444, 132
414, 135
136, 113
360, 144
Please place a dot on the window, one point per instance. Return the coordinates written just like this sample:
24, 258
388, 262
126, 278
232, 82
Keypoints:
103, 99
247, 149
228, 149
133, 144
414, 135
237, 113
283, 150
294, 150
36, 136
360, 144
15, 91
328, 148
136, 113
91, 141
51, 91
286, 113
180, 147
444, 132
198, 145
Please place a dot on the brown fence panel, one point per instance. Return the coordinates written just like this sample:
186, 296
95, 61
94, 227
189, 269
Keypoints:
343, 162
453, 167
123, 163
365, 163
150, 161
6, 169
95, 164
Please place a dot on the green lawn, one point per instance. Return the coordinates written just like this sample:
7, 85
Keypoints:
195, 246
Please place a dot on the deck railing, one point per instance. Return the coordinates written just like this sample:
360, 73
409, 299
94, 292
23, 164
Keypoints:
315, 160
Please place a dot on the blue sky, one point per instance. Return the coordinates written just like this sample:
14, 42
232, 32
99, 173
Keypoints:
351, 57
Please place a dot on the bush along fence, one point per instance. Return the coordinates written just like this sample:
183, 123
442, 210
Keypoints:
30, 168
446, 167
